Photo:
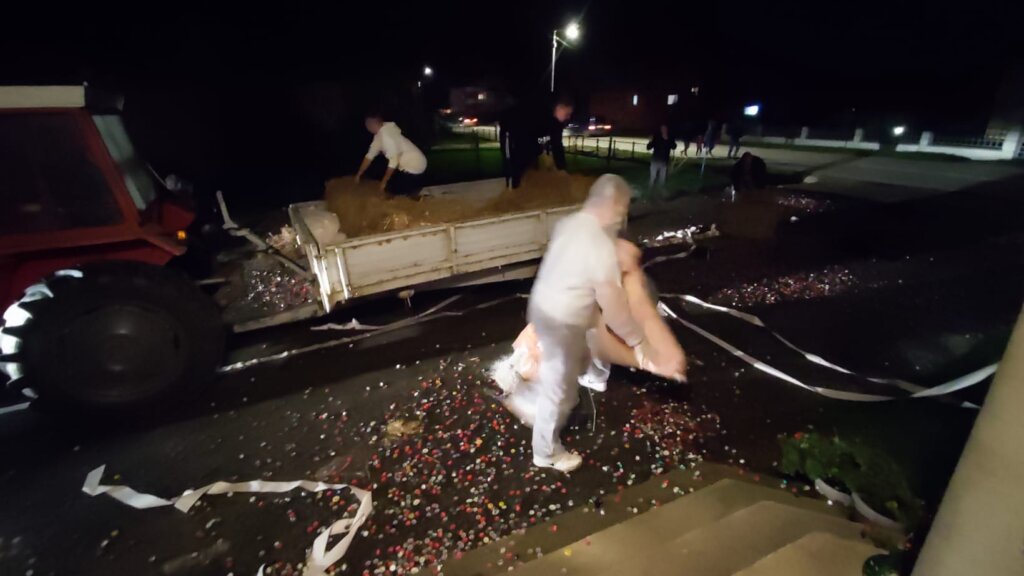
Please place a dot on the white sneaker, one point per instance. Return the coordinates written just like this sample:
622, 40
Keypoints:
564, 462
594, 383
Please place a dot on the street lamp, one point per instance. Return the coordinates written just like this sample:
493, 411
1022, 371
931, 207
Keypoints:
428, 71
898, 130
572, 33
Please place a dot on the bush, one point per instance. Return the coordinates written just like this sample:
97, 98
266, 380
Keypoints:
852, 466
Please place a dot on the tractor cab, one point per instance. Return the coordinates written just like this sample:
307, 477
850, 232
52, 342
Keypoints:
92, 315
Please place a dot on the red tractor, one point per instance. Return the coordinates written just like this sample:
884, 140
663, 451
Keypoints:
94, 316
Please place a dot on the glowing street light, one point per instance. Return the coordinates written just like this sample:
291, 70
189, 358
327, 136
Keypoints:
572, 33
428, 71
898, 130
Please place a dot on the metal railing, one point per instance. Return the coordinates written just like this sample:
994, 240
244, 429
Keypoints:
484, 132
992, 140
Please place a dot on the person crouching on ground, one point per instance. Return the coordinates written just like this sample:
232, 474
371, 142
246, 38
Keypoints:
579, 272
406, 163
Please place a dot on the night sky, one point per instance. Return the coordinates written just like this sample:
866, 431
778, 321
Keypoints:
802, 58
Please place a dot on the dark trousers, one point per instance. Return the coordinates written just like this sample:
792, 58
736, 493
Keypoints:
514, 160
734, 147
405, 184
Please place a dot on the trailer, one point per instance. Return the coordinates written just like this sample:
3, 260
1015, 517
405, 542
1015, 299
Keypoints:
457, 253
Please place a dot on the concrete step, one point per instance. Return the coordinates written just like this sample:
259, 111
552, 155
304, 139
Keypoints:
816, 554
742, 539
648, 534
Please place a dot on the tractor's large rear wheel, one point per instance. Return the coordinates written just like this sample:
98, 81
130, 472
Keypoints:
112, 336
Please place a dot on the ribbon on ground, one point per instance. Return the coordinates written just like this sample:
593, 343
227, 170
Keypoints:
431, 314
357, 325
751, 319
320, 556
919, 391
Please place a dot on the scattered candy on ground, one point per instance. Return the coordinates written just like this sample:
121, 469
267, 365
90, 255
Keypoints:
830, 281
451, 470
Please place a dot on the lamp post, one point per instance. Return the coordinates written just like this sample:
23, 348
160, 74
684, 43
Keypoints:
572, 32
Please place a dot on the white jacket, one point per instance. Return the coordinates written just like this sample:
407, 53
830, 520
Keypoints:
400, 152
579, 273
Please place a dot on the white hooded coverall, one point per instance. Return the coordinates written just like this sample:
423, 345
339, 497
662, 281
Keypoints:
580, 272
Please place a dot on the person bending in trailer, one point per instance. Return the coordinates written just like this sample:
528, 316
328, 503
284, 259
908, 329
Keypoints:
525, 134
406, 163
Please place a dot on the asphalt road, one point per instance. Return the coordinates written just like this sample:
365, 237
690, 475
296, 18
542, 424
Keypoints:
921, 290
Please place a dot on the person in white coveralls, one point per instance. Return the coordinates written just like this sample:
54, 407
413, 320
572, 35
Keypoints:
579, 273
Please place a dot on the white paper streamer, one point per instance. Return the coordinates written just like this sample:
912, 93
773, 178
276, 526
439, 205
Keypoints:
771, 370
660, 259
412, 321
751, 319
319, 558
356, 325
14, 408
921, 392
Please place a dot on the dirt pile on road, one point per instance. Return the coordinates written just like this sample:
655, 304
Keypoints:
363, 209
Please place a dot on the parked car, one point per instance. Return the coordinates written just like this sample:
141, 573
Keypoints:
596, 126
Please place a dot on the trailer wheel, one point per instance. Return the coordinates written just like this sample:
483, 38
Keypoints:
111, 336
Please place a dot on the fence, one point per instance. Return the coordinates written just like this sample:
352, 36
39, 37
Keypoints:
992, 140
1002, 145
815, 137
483, 132
993, 146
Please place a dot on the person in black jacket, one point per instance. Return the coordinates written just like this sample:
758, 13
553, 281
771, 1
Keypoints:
661, 147
735, 130
525, 134
749, 173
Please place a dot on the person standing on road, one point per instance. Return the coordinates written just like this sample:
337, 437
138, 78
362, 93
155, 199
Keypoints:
525, 134
710, 137
735, 130
661, 147
579, 273
406, 163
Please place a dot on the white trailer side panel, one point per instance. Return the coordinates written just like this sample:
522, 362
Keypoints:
396, 260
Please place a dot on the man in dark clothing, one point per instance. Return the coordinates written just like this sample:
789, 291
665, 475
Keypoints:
749, 173
661, 147
710, 137
735, 130
525, 134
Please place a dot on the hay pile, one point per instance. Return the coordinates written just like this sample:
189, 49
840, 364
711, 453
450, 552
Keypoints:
362, 209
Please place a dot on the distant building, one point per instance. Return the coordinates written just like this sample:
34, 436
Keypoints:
640, 110
479, 101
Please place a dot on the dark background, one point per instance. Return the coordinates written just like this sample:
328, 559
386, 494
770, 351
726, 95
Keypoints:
254, 99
